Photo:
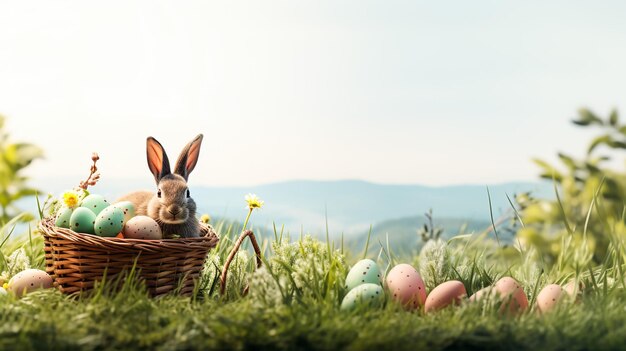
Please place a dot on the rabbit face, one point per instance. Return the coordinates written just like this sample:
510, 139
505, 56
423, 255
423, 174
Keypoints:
175, 202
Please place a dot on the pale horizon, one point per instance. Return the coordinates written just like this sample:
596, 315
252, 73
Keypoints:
386, 92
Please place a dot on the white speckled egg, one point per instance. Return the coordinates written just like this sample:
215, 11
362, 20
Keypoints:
406, 286
549, 297
364, 271
128, 208
63, 217
445, 294
96, 203
142, 227
29, 280
363, 295
109, 222
82, 220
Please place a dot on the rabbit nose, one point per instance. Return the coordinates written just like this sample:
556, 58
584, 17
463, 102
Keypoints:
174, 211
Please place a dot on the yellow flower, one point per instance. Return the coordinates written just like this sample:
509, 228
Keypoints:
70, 199
254, 201
205, 218
5, 286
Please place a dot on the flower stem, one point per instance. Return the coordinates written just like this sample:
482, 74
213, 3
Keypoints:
245, 223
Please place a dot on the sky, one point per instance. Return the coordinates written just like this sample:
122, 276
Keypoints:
435, 93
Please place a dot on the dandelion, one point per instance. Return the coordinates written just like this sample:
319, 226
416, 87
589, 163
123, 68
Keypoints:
254, 201
70, 199
205, 218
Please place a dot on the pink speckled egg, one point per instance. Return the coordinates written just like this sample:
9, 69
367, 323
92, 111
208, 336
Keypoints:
549, 297
142, 227
445, 294
512, 294
406, 286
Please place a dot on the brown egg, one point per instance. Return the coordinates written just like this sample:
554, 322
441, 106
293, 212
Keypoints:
514, 299
482, 293
549, 297
445, 294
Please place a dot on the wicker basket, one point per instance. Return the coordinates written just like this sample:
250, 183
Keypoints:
77, 261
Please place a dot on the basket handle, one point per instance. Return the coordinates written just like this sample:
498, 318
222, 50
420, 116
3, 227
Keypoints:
248, 233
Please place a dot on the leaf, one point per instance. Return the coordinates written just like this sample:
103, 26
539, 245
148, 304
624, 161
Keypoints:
603, 139
614, 118
616, 144
548, 169
592, 168
568, 161
586, 117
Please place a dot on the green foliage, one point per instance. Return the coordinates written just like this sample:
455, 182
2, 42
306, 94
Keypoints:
590, 196
15, 157
429, 231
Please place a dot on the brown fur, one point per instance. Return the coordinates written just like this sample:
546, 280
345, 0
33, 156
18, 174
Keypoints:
173, 210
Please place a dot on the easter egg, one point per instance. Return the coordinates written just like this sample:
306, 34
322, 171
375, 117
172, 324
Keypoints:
128, 208
109, 222
29, 280
482, 294
142, 227
549, 297
63, 217
96, 203
512, 294
574, 290
82, 220
444, 295
364, 271
406, 286
363, 295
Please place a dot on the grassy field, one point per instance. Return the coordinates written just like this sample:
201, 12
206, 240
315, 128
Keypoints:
294, 302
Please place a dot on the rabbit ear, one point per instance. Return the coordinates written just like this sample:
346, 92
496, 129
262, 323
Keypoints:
188, 158
157, 159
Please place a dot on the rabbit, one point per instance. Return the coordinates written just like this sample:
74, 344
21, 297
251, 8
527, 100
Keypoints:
171, 206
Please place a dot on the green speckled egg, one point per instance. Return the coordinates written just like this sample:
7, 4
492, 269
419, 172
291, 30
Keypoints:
96, 203
128, 208
110, 221
363, 295
63, 217
364, 271
82, 220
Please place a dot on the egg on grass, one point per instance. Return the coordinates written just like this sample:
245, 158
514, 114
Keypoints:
29, 280
364, 272
406, 286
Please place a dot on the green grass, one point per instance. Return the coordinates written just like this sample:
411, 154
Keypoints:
294, 302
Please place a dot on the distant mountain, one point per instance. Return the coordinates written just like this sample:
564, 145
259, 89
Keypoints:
351, 205
403, 233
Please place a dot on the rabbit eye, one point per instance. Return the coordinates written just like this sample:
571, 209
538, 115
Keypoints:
159, 193
187, 193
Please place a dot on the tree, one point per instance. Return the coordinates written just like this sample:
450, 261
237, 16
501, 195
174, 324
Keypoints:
591, 202
15, 157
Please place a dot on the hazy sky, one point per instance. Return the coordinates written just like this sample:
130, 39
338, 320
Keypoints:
436, 92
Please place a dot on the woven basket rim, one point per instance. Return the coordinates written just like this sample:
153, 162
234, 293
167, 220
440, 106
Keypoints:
210, 239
